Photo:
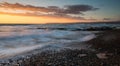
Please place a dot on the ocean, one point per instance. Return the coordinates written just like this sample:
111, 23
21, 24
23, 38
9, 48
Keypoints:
18, 39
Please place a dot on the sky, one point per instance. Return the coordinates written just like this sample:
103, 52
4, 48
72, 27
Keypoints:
58, 11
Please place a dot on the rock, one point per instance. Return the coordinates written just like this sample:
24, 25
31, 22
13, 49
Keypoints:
15, 64
101, 56
49, 63
82, 55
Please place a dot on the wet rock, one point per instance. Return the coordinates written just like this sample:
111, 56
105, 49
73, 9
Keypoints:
101, 56
82, 55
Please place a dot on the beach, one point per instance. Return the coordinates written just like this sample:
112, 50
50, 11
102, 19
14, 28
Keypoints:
59, 32
61, 48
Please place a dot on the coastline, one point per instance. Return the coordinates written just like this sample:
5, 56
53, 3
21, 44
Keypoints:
75, 57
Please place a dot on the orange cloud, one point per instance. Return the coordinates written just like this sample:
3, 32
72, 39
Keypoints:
19, 13
66, 11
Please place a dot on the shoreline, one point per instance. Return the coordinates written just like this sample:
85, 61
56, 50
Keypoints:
73, 57
49, 57
103, 55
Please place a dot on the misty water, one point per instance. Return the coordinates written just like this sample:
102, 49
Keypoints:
17, 39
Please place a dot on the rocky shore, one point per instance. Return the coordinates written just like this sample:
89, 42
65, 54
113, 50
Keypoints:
106, 53
66, 57
107, 41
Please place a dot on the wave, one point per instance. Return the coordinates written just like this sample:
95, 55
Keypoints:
24, 38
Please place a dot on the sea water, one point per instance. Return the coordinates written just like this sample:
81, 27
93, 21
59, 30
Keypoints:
17, 39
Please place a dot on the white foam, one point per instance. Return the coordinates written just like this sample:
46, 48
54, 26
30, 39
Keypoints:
16, 51
88, 37
24, 41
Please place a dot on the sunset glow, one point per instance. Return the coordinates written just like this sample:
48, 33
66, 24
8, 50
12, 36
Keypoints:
17, 12
7, 19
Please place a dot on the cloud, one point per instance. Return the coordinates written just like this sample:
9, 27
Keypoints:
107, 19
23, 7
78, 9
68, 11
